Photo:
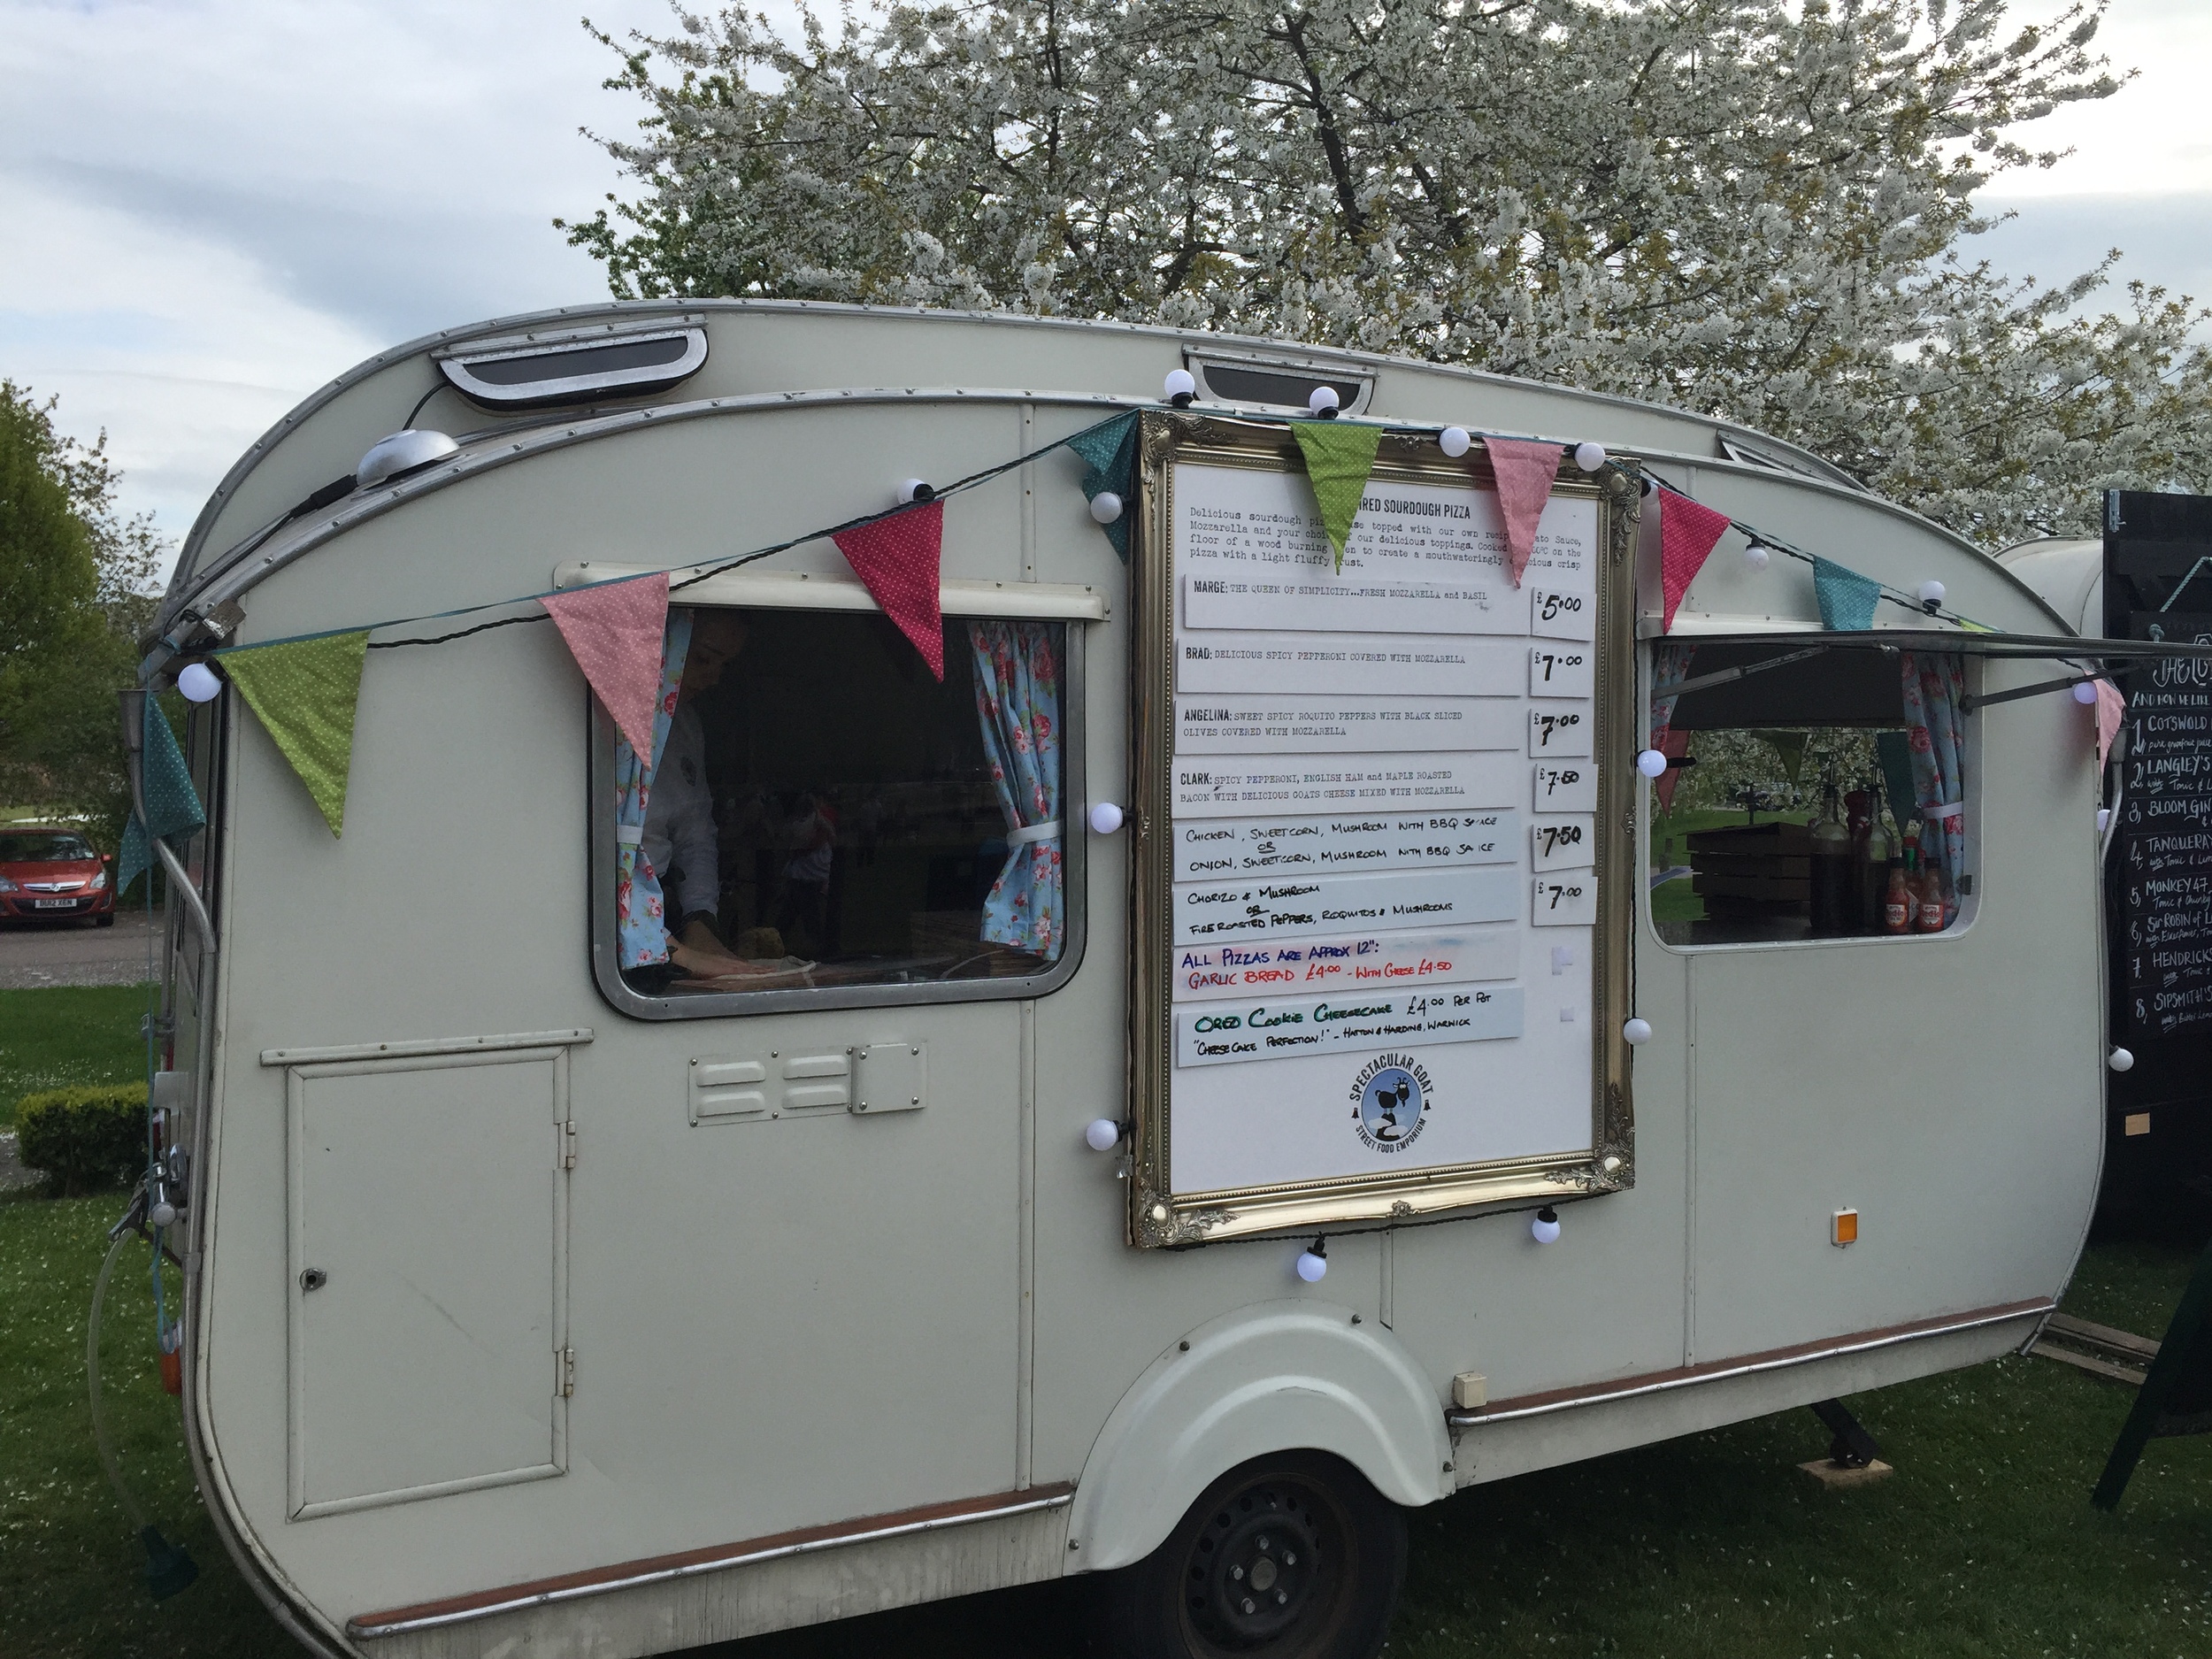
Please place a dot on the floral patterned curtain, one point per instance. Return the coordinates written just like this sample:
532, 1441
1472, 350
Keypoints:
1670, 666
642, 933
1935, 733
1017, 700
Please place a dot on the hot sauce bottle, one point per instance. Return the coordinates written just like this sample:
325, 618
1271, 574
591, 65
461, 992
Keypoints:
1930, 918
1900, 908
1898, 903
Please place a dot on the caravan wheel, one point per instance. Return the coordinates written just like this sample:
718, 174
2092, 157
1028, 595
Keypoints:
1291, 1557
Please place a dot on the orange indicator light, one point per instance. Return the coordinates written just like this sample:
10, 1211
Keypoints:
1844, 1227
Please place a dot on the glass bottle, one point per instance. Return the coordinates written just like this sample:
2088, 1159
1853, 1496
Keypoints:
1874, 865
1832, 883
1909, 891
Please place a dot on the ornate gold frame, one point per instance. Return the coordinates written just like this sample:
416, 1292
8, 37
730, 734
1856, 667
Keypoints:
1159, 1217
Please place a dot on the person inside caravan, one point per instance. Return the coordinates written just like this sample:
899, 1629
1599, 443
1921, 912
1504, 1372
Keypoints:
681, 839
801, 908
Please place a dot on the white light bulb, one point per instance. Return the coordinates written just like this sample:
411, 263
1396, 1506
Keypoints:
1545, 1228
1106, 817
1311, 1267
199, 683
1322, 399
1101, 1134
1105, 506
1931, 594
1181, 388
915, 489
1636, 1032
2086, 693
1651, 763
1756, 557
1589, 456
2120, 1060
1454, 442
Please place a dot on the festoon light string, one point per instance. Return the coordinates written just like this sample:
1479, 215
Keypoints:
304, 686
1920, 605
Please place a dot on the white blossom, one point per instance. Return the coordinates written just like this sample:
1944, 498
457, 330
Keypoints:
1758, 208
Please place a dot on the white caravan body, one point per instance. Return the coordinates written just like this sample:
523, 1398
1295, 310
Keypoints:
592, 1365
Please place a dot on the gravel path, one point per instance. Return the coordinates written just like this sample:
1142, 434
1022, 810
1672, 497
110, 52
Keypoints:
35, 954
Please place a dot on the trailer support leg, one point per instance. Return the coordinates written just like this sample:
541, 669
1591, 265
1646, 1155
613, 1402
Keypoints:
1852, 1447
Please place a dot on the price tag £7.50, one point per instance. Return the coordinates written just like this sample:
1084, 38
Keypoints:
1565, 786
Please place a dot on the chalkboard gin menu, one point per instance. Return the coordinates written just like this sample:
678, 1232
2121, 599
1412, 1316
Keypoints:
2165, 850
1381, 831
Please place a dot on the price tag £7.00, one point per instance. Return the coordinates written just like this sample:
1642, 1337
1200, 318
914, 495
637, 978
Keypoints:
1565, 901
1561, 671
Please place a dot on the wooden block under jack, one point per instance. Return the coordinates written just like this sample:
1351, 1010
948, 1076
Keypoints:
1836, 1477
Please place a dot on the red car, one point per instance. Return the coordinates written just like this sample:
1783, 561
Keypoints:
54, 874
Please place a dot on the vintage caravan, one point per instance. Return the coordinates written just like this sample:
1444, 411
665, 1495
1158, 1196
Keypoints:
1138, 1041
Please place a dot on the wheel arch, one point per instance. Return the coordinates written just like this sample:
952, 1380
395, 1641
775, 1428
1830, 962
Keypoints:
1277, 1377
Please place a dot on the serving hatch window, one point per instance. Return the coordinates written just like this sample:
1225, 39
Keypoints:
1811, 791
822, 814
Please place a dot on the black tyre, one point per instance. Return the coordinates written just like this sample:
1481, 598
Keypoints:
1289, 1557
105, 920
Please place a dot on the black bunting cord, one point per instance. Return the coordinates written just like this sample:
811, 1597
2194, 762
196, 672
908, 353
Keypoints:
1760, 538
695, 574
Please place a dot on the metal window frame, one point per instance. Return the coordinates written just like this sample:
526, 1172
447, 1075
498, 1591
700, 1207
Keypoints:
625, 999
1199, 360
457, 363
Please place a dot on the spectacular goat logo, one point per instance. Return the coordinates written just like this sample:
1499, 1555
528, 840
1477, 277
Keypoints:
1390, 1102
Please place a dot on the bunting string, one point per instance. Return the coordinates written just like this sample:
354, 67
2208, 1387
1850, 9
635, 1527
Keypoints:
694, 572
1882, 590
306, 686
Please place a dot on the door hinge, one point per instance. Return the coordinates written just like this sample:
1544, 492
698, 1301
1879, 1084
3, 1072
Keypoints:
568, 1146
564, 1372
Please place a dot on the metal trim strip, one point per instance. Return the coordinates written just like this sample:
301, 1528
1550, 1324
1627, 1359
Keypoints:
1840, 1347
398, 1622
434, 1045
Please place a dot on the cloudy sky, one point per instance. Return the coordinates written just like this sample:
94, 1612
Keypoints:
210, 207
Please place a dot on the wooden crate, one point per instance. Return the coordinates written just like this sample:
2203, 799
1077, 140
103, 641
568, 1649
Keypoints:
1758, 869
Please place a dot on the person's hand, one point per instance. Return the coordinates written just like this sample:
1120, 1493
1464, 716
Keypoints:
710, 961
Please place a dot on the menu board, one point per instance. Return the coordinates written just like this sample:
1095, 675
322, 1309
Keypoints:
2165, 851
1379, 806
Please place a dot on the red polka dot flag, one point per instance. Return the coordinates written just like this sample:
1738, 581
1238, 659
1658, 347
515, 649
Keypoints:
897, 557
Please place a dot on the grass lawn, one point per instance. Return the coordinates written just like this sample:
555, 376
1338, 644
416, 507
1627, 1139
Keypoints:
1982, 1545
64, 1034
70, 1567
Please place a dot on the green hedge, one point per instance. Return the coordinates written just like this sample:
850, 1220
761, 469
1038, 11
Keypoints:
84, 1138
